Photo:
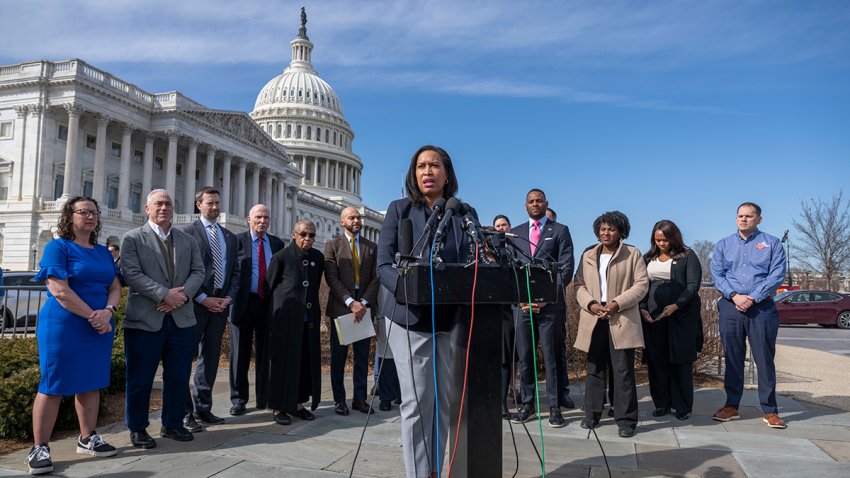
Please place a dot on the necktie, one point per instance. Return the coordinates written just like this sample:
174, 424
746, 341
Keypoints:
218, 263
534, 237
261, 266
355, 259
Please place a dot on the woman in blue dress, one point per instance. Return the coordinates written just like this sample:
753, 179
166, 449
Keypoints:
74, 330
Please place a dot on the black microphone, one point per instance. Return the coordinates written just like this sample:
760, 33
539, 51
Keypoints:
471, 224
451, 206
436, 212
406, 240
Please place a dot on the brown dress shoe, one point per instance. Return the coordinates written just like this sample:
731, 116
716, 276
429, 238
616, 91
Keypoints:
773, 420
725, 414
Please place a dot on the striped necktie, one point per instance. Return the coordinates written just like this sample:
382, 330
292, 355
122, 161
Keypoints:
261, 266
218, 263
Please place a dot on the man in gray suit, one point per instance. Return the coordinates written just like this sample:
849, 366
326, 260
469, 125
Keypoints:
163, 269
212, 303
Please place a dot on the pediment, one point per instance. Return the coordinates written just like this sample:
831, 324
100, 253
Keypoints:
241, 126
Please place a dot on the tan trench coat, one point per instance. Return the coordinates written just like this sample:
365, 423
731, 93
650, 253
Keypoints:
627, 284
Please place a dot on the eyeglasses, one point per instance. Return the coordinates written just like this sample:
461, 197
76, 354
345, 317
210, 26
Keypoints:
311, 235
87, 212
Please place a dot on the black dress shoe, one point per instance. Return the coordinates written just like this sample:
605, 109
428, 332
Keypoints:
305, 414
568, 403
397, 401
209, 418
611, 411
555, 418
341, 408
361, 406
660, 412
590, 420
190, 424
682, 415
626, 432
178, 434
506, 415
142, 440
237, 410
524, 414
282, 418
385, 406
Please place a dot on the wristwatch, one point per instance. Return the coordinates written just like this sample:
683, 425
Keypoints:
732, 295
111, 308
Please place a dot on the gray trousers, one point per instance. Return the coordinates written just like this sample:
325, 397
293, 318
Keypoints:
414, 361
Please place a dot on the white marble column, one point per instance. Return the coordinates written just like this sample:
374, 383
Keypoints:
16, 181
279, 207
71, 185
189, 177
124, 175
303, 170
315, 171
255, 185
267, 193
171, 163
225, 183
293, 214
209, 169
147, 167
240, 189
98, 190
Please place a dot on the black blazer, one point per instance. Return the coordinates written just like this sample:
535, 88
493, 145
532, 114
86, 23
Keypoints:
456, 251
231, 264
556, 245
244, 247
685, 326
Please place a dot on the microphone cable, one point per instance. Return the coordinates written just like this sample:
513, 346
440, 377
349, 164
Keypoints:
466, 363
438, 456
536, 383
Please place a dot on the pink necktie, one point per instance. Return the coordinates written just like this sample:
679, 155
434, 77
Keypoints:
535, 236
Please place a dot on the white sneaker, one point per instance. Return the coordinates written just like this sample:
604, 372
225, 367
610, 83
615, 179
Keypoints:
38, 461
95, 446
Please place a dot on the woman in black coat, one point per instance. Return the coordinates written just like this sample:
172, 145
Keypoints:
672, 326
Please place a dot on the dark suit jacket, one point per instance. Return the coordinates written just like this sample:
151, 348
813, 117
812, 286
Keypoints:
146, 272
244, 248
231, 265
339, 274
685, 326
457, 250
556, 245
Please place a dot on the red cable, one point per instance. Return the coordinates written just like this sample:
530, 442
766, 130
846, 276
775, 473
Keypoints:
466, 366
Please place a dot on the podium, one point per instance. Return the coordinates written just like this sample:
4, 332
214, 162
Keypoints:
479, 444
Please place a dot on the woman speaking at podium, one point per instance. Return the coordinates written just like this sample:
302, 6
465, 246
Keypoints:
414, 335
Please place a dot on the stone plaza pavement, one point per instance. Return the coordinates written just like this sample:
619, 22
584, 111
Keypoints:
815, 444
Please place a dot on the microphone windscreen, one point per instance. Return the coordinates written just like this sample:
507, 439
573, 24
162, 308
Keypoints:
406, 241
439, 205
452, 204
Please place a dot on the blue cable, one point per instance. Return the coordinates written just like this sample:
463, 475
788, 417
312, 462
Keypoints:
437, 456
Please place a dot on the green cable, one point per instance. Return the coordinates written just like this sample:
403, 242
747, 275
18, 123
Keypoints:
536, 385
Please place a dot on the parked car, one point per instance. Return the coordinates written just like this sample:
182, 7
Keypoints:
21, 302
814, 307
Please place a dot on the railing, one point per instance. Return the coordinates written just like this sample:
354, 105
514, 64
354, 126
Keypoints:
19, 308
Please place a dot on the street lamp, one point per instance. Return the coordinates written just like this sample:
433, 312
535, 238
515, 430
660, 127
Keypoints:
787, 257
34, 254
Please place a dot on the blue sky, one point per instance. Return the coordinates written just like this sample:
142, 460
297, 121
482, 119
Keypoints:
678, 110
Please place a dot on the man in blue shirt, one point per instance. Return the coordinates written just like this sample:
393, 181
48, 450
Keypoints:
747, 268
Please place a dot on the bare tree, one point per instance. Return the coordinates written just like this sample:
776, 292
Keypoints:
703, 250
824, 227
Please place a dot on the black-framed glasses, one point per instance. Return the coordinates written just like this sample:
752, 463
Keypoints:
87, 212
311, 235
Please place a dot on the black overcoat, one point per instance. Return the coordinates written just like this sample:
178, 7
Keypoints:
294, 278
685, 325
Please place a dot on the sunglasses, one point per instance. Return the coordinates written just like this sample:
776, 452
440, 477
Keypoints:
311, 235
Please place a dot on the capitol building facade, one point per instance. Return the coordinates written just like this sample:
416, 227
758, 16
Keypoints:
68, 129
